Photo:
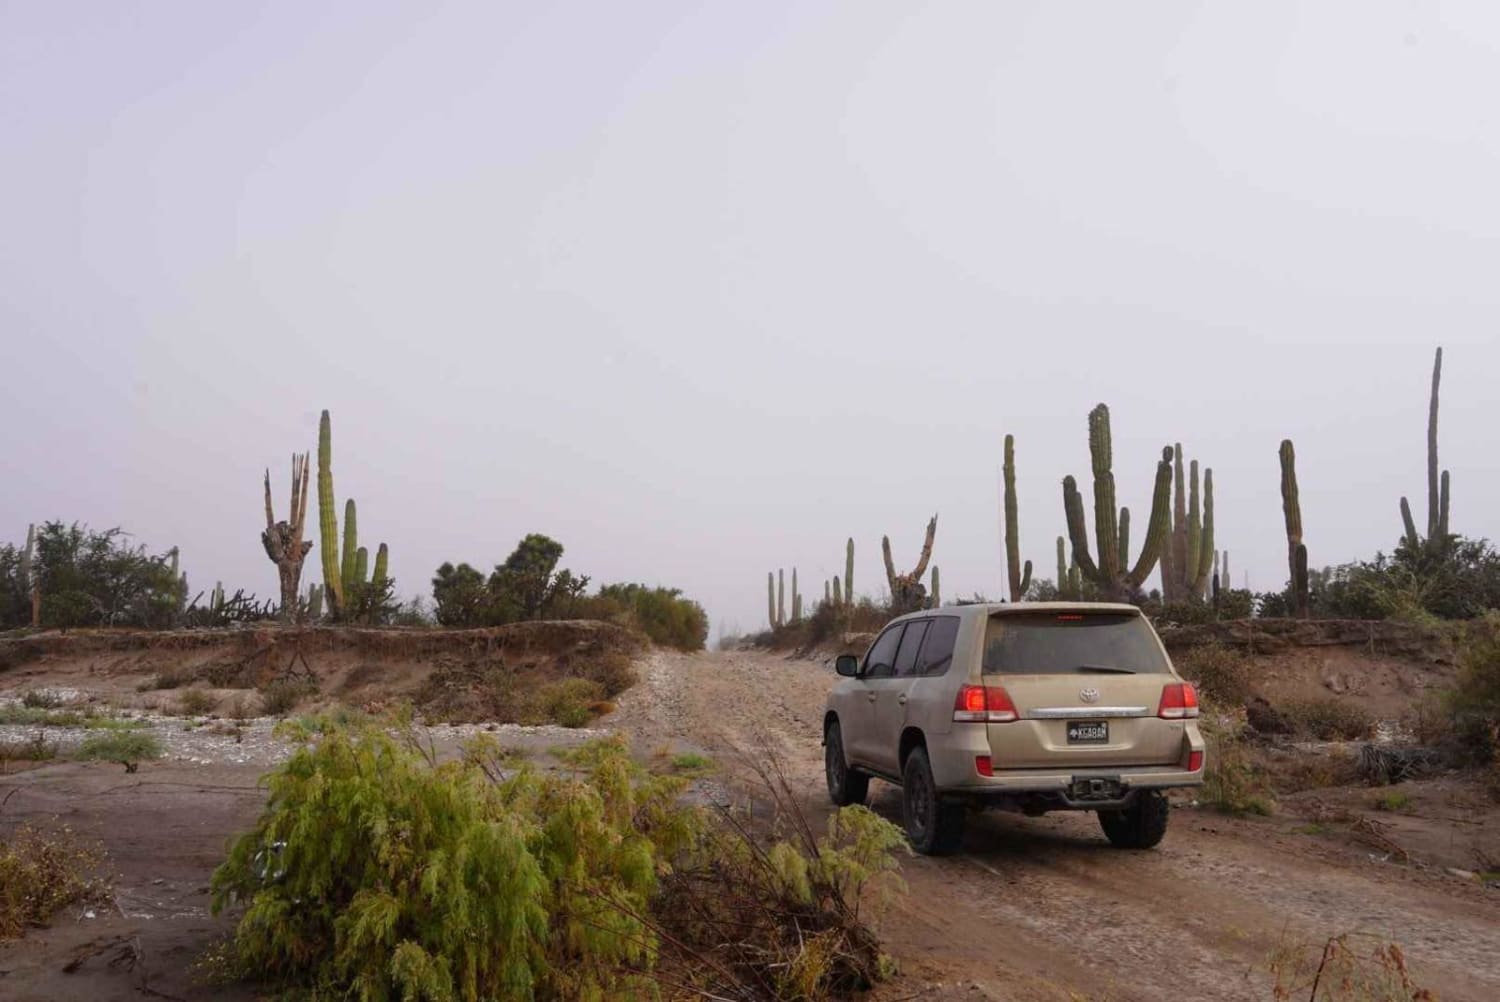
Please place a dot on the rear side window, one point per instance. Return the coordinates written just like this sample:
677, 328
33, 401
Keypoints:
881, 661
911, 642
1070, 643
937, 652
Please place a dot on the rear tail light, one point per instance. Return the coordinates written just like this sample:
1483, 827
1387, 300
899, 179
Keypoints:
1178, 700
1195, 761
983, 764
984, 704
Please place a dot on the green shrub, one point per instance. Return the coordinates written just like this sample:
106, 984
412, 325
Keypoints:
438, 882
41, 873
1474, 703
1328, 719
128, 747
33, 749
661, 614
569, 702
691, 762
1392, 801
395, 876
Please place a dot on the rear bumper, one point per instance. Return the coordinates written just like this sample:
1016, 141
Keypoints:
957, 775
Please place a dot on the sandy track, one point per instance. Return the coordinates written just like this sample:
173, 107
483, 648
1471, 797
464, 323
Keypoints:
1038, 908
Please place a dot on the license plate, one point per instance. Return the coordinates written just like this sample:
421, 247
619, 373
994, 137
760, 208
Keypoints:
1088, 732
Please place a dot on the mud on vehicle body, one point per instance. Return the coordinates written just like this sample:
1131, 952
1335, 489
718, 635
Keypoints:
1026, 707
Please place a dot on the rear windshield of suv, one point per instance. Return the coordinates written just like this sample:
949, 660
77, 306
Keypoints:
1070, 643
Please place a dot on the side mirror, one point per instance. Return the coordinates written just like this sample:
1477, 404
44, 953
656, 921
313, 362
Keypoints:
846, 665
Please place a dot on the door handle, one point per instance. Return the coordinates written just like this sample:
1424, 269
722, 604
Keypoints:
901, 699
872, 697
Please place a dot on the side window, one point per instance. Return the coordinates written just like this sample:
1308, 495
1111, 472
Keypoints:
911, 642
937, 653
881, 661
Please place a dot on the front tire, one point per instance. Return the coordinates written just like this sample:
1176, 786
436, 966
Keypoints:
935, 827
1142, 825
844, 786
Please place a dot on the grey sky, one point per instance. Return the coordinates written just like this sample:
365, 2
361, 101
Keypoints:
702, 289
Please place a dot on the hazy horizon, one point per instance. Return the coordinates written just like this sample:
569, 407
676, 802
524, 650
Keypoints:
701, 292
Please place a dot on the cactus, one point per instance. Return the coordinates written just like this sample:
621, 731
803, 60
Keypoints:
826, 592
361, 569
1018, 579
283, 541
1437, 485
848, 573
382, 565
328, 523
907, 592
1062, 567
796, 599
216, 598
1109, 574
1187, 558
937, 592
349, 564
1296, 552
30, 588
780, 596
315, 603
771, 599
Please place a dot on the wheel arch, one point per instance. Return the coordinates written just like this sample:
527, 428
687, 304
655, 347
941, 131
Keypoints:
911, 739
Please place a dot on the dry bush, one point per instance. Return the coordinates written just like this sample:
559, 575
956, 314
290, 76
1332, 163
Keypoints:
1353, 967
1328, 719
240, 708
281, 696
196, 702
33, 749
1221, 672
1231, 780
40, 699
1293, 770
40, 873
169, 678
613, 671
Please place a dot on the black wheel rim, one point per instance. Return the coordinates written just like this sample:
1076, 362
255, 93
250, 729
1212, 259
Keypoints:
919, 804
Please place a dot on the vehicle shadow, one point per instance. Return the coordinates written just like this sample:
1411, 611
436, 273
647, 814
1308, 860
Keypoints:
998, 836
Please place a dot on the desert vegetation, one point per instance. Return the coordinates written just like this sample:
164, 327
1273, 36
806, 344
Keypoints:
485, 878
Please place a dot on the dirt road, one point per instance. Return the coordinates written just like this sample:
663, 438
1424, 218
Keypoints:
1044, 908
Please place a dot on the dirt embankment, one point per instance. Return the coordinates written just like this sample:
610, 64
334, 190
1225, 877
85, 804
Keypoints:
451, 674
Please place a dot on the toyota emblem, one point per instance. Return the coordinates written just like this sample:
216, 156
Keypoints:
1089, 695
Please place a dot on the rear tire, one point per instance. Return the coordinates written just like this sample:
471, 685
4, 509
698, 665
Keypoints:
935, 827
1139, 826
845, 787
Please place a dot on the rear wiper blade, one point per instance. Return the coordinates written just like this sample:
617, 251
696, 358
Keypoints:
1107, 668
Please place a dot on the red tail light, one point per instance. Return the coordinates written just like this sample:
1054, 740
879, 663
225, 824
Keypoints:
983, 764
984, 704
1178, 700
1195, 761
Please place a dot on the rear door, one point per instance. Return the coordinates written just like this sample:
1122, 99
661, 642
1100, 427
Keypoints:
891, 696
877, 671
1086, 687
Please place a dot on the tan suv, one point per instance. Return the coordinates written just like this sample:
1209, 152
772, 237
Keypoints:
1033, 707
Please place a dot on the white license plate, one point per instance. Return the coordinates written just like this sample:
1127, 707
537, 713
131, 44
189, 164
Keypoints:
1088, 732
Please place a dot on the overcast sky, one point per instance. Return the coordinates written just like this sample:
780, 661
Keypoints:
700, 290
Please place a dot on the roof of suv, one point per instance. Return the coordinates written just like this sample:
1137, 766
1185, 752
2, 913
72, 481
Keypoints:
1014, 608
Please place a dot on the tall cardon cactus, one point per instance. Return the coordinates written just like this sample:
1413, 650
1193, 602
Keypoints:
1018, 579
848, 572
1437, 486
907, 591
283, 541
1187, 557
1296, 550
1108, 573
